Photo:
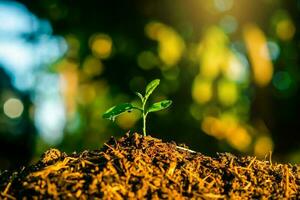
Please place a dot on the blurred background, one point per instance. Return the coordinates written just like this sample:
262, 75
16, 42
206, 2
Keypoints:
231, 68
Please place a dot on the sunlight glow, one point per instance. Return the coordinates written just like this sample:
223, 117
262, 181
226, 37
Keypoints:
15, 18
50, 120
18, 56
27, 46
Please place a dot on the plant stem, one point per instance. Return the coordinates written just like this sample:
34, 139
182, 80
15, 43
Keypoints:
144, 124
144, 117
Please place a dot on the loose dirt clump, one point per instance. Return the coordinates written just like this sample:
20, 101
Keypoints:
137, 167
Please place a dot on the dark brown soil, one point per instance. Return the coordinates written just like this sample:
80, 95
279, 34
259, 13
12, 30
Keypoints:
137, 167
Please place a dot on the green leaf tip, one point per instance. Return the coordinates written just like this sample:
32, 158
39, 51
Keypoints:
140, 95
117, 110
159, 106
151, 87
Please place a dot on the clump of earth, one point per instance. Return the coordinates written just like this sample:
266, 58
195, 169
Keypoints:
143, 167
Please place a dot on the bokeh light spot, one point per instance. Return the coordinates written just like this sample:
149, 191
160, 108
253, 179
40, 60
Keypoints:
263, 146
171, 74
229, 24
171, 45
259, 54
92, 66
147, 60
285, 29
13, 108
227, 92
240, 139
282, 80
127, 121
273, 49
212, 51
73, 45
86, 93
202, 90
50, 120
213, 127
223, 5
101, 45
236, 70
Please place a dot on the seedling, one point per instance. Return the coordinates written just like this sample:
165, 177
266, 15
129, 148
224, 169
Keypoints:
113, 112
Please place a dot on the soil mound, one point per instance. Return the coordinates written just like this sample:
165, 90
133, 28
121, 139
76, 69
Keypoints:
138, 167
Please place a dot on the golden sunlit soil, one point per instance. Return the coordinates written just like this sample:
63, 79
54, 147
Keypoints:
138, 167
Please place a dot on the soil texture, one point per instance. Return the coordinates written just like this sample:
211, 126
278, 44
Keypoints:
138, 167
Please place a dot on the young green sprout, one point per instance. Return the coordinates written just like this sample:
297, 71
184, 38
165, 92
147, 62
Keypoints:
113, 112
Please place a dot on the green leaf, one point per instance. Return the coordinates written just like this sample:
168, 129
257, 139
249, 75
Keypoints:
140, 95
151, 87
159, 105
117, 110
